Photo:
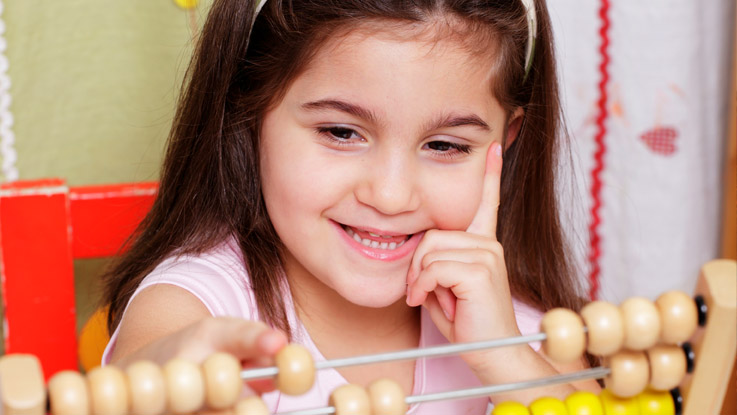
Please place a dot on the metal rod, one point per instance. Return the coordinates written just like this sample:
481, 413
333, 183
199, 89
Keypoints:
433, 351
595, 373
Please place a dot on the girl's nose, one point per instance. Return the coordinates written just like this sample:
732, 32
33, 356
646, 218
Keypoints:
391, 186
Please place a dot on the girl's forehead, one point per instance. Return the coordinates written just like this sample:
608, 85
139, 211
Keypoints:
475, 43
399, 77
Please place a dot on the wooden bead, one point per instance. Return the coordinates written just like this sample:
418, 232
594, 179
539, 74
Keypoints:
296, 370
565, 340
629, 373
386, 397
510, 408
147, 388
548, 406
584, 403
21, 385
605, 328
667, 367
223, 382
615, 405
253, 405
108, 391
185, 388
68, 394
641, 323
678, 315
350, 399
655, 403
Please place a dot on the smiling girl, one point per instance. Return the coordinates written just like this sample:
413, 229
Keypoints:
337, 181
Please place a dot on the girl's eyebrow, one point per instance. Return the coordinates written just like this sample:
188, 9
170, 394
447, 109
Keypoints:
347, 107
443, 121
456, 120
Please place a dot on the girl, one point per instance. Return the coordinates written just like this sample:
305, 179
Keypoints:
342, 167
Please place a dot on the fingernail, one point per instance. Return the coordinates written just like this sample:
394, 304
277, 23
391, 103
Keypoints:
447, 315
498, 150
271, 341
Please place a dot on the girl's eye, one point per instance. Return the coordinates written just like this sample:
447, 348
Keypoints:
448, 149
339, 134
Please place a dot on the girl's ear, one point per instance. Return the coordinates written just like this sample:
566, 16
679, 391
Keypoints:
513, 126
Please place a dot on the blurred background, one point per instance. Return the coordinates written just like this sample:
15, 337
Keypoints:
88, 89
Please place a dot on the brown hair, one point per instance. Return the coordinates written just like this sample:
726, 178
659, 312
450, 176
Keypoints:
210, 182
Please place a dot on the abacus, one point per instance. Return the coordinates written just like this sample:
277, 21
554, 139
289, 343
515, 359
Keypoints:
671, 356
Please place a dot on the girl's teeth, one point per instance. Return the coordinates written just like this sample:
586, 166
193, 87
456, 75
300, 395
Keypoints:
371, 243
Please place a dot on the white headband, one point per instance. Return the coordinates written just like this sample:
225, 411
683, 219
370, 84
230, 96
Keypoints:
531, 29
531, 33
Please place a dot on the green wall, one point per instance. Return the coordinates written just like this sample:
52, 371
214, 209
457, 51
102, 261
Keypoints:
94, 84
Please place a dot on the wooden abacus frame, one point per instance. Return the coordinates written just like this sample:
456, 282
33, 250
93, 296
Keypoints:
715, 346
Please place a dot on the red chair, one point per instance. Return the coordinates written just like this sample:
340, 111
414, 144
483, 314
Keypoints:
44, 226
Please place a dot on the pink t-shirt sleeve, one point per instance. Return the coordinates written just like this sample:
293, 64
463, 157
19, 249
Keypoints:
528, 320
218, 279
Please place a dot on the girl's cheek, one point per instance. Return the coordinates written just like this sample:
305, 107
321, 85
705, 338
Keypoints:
453, 203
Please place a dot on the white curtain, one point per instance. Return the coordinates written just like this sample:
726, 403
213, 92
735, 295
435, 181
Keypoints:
664, 129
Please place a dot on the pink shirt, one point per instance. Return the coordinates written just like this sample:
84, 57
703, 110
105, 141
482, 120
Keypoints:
218, 278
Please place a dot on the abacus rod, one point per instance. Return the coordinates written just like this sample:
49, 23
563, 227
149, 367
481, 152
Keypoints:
594, 373
433, 351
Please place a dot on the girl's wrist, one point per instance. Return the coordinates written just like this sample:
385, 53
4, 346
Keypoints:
506, 364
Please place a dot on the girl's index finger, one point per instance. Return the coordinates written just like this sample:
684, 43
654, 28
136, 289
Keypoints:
484, 223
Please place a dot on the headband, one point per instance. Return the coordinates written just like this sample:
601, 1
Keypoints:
531, 29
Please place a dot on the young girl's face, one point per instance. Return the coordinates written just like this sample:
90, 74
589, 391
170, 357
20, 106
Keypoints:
383, 137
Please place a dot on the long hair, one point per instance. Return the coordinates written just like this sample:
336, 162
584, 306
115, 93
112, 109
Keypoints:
210, 186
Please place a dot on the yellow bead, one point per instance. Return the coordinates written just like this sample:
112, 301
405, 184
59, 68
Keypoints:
510, 408
296, 370
618, 406
584, 403
548, 406
655, 403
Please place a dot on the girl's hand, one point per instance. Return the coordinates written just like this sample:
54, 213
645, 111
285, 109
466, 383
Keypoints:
461, 277
152, 332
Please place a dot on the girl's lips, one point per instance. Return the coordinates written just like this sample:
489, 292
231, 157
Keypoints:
371, 246
367, 235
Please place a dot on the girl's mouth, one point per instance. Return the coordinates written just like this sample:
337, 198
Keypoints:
376, 241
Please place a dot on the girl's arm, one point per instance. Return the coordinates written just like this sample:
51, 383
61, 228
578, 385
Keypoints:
165, 321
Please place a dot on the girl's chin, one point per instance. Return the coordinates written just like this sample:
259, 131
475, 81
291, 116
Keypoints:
374, 297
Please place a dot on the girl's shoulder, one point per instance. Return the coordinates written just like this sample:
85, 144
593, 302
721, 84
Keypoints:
217, 277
